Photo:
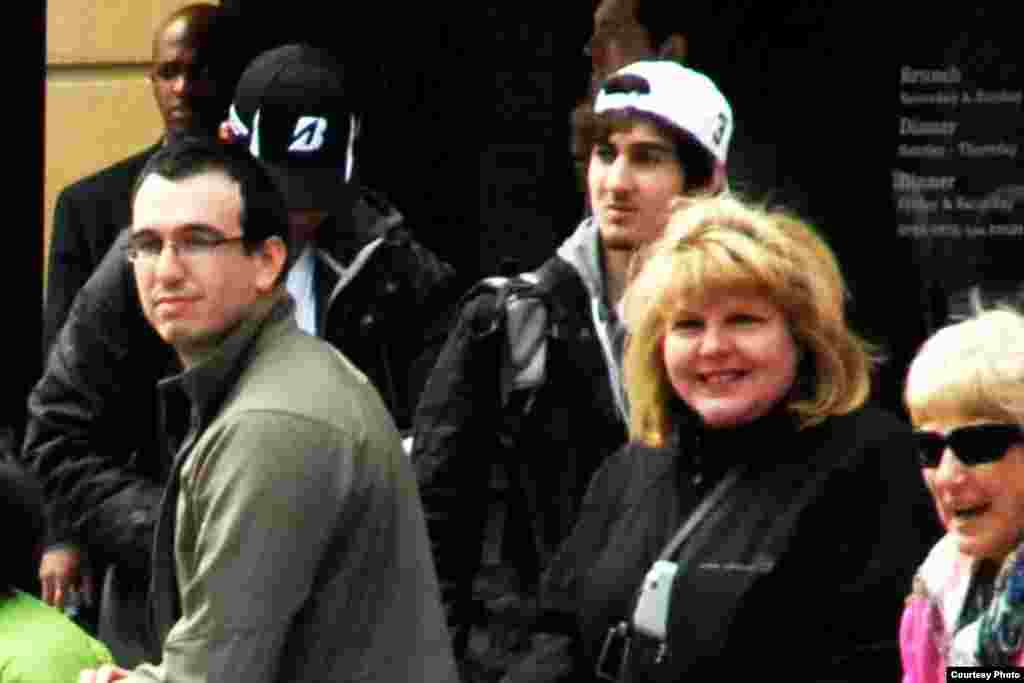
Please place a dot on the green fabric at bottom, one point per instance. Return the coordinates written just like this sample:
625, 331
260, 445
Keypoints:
38, 644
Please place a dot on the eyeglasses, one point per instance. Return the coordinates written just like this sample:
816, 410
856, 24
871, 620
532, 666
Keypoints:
146, 249
974, 445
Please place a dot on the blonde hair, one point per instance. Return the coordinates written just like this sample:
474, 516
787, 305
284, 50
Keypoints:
971, 370
720, 244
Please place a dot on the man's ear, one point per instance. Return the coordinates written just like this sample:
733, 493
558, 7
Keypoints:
674, 47
273, 255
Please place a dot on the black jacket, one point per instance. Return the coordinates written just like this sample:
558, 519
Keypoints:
823, 606
533, 459
87, 216
93, 427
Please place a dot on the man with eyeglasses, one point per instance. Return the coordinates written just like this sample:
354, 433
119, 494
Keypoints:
191, 76
359, 281
290, 542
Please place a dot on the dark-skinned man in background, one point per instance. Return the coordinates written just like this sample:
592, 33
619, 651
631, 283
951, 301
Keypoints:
191, 88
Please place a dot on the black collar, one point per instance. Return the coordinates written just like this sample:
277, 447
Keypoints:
206, 385
705, 454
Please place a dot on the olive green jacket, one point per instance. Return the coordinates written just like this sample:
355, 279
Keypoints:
291, 544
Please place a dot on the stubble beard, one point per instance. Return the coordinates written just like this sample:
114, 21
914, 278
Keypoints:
620, 243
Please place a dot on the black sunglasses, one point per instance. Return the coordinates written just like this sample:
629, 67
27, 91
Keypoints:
974, 445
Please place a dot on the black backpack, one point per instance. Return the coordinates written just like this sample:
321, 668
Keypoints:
529, 321
507, 377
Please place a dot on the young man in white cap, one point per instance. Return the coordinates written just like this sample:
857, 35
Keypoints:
520, 427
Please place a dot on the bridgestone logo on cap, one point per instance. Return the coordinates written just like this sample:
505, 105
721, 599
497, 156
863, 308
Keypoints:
309, 134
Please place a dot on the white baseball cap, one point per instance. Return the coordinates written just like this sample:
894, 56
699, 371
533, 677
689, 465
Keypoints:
685, 98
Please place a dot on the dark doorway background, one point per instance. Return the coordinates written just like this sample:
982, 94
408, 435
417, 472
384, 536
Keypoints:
466, 107
21, 276
468, 126
468, 123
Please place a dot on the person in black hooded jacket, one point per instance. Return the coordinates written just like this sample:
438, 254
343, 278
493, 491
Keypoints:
506, 441
359, 279
763, 519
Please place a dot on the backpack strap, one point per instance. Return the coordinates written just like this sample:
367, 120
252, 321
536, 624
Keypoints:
533, 316
526, 315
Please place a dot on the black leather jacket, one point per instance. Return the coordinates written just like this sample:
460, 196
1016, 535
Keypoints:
93, 434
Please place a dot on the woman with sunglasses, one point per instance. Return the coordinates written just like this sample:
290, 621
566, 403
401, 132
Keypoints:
764, 522
965, 395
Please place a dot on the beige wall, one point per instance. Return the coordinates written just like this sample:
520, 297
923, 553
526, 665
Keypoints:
99, 106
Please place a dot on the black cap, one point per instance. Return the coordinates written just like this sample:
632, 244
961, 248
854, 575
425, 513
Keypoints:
293, 106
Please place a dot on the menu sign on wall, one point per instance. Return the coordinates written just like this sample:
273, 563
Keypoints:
956, 135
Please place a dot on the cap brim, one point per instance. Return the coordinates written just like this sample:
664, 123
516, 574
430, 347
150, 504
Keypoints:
317, 189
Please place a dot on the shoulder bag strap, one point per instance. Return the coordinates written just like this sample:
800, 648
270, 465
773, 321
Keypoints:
702, 510
615, 652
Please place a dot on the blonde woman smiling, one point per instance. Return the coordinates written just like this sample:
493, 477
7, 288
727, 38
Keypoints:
763, 519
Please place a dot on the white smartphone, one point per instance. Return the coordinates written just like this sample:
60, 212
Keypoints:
651, 615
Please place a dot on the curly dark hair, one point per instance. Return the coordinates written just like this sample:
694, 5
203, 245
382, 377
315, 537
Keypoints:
590, 128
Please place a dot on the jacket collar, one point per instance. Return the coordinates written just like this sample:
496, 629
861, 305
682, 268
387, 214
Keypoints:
707, 454
371, 217
206, 385
582, 250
